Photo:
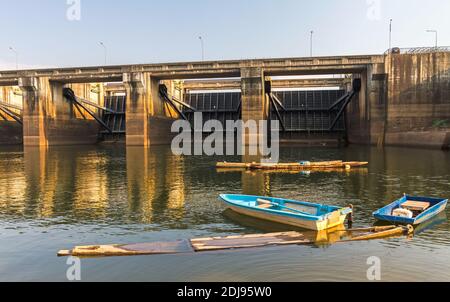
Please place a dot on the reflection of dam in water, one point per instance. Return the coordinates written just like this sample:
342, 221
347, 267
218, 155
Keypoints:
153, 186
88, 183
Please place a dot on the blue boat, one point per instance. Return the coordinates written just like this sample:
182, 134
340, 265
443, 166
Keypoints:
301, 214
411, 210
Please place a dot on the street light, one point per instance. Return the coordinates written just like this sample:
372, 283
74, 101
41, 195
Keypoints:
390, 35
436, 33
203, 47
105, 50
17, 56
311, 43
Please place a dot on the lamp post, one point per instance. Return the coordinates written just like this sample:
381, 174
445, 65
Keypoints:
203, 47
105, 50
311, 43
390, 35
436, 36
17, 56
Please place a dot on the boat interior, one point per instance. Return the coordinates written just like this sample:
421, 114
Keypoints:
296, 208
411, 207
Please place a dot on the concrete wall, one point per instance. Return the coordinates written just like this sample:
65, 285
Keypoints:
255, 106
404, 102
49, 119
418, 111
148, 119
365, 114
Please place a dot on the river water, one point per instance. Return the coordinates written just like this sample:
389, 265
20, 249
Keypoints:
58, 198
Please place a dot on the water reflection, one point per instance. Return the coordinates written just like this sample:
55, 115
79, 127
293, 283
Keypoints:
117, 185
155, 184
87, 183
103, 194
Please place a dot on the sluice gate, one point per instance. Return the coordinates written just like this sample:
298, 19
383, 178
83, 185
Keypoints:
220, 106
115, 117
302, 114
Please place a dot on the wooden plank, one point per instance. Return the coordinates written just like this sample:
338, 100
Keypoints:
180, 246
248, 241
227, 243
417, 206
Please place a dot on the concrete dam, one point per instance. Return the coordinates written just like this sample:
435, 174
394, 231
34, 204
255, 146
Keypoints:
402, 98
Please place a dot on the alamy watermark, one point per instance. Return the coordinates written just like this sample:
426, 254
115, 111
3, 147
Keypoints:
374, 10
73, 273
374, 270
73, 12
223, 139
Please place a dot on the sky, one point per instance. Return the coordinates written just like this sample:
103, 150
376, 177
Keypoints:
63, 33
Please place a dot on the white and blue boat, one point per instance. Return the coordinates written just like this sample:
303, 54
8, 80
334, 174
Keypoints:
301, 214
411, 210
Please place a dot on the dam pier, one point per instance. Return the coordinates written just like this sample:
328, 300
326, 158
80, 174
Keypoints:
400, 98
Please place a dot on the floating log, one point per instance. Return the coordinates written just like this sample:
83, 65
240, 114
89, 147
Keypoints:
226, 243
379, 233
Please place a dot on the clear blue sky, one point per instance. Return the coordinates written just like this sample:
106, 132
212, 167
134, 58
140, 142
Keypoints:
138, 31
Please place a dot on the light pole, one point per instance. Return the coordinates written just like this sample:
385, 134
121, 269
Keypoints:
390, 35
203, 47
105, 50
311, 43
17, 56
436, 33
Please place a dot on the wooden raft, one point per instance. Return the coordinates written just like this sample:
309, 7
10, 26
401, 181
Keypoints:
339, 164
227, 243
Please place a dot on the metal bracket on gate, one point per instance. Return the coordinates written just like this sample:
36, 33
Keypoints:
275, 102
163, 92
70, 95
346, 99
4, 107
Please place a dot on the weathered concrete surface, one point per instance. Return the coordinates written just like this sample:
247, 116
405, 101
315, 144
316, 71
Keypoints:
404, 102
148, 119
200, 70
255, 106
366, 113
426, 139
49, 119
418, 112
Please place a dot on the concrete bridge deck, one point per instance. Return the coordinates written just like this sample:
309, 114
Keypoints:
195, 70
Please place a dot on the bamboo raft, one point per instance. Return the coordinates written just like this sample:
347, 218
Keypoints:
360, 170
229, 243
337, 164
